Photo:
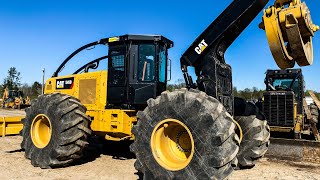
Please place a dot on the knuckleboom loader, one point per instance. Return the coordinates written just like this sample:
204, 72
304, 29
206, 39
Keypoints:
285, 106
190, 133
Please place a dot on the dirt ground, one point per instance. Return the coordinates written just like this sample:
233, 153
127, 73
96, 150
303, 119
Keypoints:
114, 161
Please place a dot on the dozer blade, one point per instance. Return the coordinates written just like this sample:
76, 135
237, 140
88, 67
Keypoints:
289, 31
294, 150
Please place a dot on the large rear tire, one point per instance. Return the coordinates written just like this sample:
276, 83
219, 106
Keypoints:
55, 131
256, 133
209, 145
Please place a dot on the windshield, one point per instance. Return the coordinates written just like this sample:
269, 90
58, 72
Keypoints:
13, 94
284, 84
147, 55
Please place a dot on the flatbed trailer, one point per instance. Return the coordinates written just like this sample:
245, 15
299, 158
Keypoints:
10, 122
10, 125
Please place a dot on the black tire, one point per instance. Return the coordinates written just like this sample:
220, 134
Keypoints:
256, 133
213, 130
70, 130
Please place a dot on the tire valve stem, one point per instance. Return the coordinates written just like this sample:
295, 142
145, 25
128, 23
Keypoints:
165, 125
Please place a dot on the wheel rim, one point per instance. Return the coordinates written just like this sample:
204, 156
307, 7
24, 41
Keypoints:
172, 144
41, 131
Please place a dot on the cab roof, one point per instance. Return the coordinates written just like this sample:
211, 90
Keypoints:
140, 37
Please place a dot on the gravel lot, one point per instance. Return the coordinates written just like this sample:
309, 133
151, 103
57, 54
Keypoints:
114, 161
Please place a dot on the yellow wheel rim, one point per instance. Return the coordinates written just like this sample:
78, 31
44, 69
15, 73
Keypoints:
172, 144
41, 131
239, 130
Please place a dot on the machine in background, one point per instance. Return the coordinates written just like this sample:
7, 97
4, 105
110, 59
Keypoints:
284, 104
14, 99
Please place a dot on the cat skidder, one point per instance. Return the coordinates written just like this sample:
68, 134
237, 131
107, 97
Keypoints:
190, 133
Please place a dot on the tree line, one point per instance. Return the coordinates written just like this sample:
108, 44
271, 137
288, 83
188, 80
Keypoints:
13, 82
253, 93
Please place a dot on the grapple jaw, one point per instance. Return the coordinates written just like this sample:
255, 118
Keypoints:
289, 29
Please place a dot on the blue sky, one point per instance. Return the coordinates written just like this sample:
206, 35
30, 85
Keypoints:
41, 34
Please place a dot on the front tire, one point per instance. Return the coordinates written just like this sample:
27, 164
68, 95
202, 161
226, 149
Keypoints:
55, 131
256, 133
209, 145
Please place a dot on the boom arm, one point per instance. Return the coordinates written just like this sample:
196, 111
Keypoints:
223, 31
220, 35
206, 53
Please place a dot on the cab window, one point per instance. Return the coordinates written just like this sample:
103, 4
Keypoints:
162, 64
117, 66
146, 64
284, 84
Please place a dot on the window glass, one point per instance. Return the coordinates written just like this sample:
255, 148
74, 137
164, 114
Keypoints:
117, 61
117, 66
146, 69
283, 84
162, 64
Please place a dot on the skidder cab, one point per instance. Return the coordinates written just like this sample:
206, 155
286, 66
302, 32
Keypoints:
137, 66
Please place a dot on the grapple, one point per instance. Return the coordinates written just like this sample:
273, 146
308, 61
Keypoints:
289, 29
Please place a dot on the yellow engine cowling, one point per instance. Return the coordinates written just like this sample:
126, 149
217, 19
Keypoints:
91, 90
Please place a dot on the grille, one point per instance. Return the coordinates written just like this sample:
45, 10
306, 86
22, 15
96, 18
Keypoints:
278, 108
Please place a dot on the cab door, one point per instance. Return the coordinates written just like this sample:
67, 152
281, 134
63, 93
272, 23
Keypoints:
162, 70
143, 68
117, 84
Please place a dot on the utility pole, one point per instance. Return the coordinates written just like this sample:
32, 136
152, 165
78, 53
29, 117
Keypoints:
43, 73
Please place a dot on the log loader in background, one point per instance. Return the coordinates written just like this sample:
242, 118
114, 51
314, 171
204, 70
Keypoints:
294, 124
285, 107
185, 134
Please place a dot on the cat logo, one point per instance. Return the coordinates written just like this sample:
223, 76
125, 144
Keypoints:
65, 83
201, 47
60, 84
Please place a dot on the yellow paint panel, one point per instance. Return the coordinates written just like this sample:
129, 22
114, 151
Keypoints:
10, 125
115, 122
113, 39
90, 88
87, 90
